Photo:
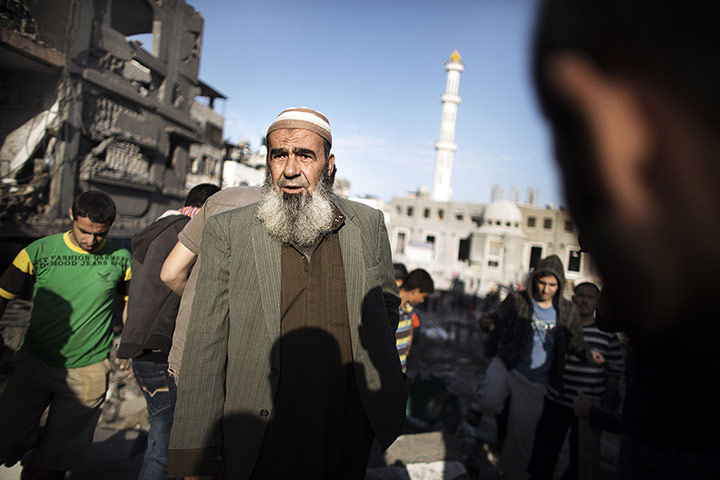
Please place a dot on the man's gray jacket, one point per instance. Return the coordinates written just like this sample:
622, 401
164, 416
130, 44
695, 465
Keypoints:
231, 362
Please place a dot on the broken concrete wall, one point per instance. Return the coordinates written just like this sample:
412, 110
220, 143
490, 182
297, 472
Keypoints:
31, 66
51, 19
124, 124
206, 159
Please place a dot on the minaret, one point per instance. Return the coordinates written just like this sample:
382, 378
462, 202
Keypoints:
445, 145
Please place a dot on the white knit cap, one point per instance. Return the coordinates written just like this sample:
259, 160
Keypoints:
305, 118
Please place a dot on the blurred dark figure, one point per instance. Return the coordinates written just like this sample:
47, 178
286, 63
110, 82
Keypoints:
631, 94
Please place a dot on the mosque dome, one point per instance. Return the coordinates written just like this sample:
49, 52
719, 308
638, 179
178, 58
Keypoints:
504, 212
455, 56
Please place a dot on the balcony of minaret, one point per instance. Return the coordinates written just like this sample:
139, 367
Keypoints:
440, 145
450, 97
455, 62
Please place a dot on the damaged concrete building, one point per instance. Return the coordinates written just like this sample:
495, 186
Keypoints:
85, 105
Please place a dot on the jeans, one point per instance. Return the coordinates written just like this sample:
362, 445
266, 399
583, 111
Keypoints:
526, 404
160, 394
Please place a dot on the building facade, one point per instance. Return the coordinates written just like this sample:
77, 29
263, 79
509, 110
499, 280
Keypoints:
483, 246
477, 247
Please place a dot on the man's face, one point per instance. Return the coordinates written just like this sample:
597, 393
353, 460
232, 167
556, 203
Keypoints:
87, 234
417, 297
585, 299
545, 288
296, 159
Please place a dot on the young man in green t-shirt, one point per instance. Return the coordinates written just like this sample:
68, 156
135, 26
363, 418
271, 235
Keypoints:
62, 362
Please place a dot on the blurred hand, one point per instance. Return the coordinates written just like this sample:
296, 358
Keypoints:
125, 363
597, 357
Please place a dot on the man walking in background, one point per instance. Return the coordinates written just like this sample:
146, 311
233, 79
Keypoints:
179, 272
149, 323
599, 382
62, 362
533, 332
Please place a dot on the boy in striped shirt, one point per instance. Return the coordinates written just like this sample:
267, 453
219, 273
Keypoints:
416, 287
596, 381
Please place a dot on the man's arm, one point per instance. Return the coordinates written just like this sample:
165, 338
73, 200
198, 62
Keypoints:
614, 369
124, 312
176, 269
13, 280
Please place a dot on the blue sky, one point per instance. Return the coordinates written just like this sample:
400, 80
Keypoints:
376, 69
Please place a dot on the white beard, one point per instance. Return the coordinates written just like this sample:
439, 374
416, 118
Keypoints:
299, 219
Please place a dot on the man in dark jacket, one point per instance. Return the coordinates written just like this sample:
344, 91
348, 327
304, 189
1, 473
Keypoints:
148, 330
533, 331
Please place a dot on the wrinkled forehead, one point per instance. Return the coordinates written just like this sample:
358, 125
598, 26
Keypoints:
294, 140
293, 135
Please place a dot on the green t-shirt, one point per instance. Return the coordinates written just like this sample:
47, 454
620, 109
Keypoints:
70, 322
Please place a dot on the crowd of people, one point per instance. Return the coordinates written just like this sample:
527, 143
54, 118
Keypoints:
269, 329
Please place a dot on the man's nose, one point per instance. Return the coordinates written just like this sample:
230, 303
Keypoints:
292, 167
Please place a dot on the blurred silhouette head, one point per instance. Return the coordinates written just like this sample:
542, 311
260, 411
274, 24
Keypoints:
634, 108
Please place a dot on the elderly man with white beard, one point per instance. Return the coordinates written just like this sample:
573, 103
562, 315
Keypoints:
290, 368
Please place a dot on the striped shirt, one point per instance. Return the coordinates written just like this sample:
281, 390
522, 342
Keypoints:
403, 334
581, 376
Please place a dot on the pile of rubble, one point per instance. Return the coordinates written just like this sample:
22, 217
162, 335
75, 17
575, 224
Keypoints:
445, 367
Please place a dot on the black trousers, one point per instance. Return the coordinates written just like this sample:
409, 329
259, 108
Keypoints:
550, 433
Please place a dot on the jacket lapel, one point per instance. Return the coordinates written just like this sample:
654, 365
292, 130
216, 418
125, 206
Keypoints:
267, 263
351, 249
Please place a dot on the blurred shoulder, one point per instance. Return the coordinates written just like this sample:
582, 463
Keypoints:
231, 198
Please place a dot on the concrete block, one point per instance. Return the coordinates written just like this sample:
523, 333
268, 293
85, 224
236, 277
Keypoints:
453, 470
422, 448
